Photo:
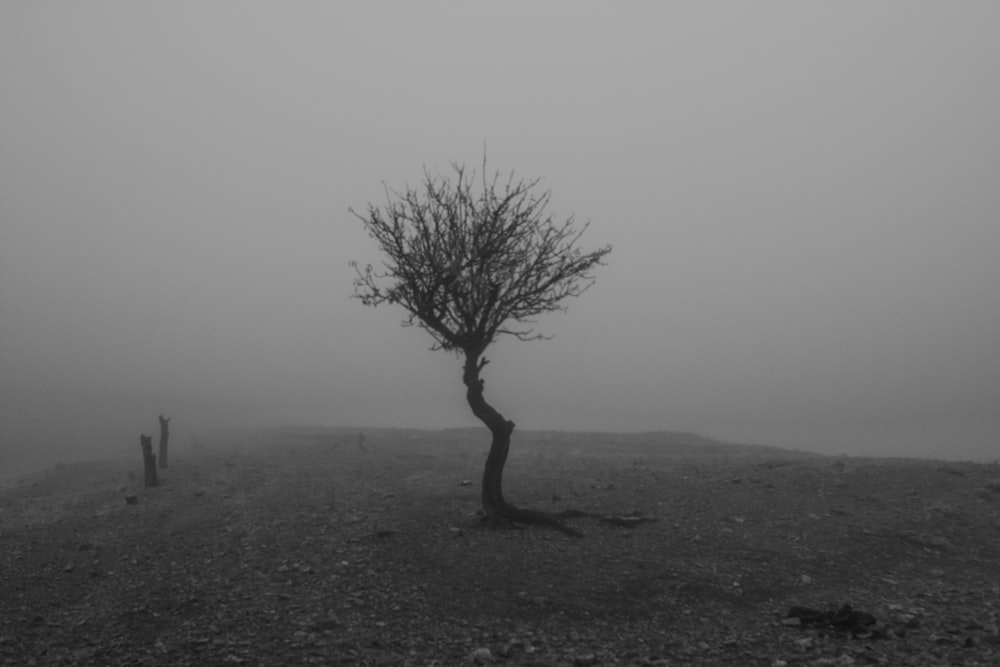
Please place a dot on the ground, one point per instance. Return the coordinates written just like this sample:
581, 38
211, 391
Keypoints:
301, 547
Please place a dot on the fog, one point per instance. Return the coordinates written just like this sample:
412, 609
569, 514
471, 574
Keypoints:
802, 198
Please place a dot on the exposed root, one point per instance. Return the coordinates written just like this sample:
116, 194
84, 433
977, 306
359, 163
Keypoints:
625, 521
514, 517
519, 515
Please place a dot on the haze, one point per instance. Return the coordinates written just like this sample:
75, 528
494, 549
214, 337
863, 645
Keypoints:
803, 199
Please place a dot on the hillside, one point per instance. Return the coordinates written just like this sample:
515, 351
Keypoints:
307, 546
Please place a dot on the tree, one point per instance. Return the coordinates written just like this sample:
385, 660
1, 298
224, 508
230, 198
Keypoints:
469, 265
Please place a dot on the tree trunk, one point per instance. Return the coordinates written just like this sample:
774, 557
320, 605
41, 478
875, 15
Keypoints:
148, 461
500, 428
164, 435
496, 508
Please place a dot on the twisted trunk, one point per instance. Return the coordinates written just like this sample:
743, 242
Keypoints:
494, 504
497, 510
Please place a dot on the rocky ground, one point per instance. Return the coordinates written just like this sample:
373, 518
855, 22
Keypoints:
323, 548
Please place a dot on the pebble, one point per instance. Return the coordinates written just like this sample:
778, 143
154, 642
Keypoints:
481, 656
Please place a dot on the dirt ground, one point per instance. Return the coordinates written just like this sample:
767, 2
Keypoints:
325, 548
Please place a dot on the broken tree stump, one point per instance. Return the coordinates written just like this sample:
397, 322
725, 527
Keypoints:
164, 435
148, 461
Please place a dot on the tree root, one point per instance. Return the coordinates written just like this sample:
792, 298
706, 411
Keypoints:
528, 516
626, 521
512, 517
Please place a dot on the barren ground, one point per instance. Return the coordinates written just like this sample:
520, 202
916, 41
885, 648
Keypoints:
309, 548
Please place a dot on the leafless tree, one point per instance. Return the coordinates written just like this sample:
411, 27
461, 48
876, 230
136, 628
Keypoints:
471, 258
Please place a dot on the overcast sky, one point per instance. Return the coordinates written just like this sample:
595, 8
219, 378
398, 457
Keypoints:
803, 199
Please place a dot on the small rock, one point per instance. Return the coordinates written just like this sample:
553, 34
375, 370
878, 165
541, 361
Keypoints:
465, 482
805, 579
585, 660
131, 499
736, 480
481, 656
840, 661
792, 622
324, 624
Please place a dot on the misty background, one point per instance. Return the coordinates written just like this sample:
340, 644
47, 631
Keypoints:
803, 201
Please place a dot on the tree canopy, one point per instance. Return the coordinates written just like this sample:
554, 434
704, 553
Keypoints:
470, 264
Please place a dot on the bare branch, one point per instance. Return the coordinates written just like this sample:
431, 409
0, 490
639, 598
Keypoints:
464, 263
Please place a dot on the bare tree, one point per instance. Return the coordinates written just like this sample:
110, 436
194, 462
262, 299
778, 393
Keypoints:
470, 264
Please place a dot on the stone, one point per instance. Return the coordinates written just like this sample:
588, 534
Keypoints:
481, 656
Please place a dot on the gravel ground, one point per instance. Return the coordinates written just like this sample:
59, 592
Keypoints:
323, 548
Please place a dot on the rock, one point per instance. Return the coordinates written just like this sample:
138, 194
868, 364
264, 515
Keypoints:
324, 624
840, 661
465, 482
585, 660
481, 656
131, 499
844, 619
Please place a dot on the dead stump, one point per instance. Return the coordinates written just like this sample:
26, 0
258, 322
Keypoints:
148, 461
164, 435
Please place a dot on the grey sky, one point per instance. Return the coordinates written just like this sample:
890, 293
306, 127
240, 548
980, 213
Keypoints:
804, 201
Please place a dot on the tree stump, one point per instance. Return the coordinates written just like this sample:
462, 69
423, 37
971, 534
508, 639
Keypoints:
148, 460
164, 435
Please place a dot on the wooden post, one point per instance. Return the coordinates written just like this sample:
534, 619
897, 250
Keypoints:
148, 460
164, 434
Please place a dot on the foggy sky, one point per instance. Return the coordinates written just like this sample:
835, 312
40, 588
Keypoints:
803, 201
